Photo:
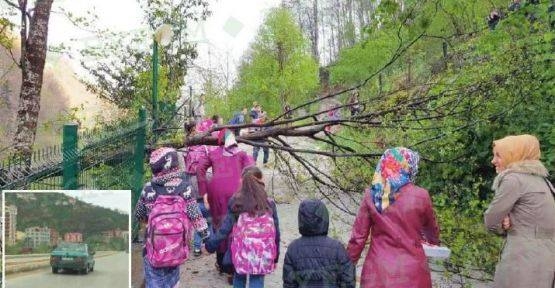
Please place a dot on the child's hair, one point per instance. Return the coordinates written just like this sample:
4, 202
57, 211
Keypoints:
252, 197
190, 126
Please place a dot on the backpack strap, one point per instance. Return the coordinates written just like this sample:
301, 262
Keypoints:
549, 186
181, 160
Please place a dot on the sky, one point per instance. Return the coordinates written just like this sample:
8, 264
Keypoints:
113, 199
221, 39
227, 33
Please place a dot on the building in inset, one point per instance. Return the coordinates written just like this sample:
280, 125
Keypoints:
37, 236
73, 237
125, 236
54, 237
113, 233
10, 224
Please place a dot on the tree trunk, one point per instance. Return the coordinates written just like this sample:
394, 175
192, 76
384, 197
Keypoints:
281, 62
350, 24
314, 32
322, 34
340, 28
32, 62
360, 14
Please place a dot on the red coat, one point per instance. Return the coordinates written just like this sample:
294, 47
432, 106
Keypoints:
396, 257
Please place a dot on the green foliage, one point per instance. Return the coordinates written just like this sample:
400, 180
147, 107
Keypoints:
489, 85
278, 69
55, 211
113, 177
122, 73
6, 40
43, 248
98, 243
462, 230
14, 249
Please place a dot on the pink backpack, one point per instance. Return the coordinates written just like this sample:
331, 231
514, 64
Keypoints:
168, 232
253, 244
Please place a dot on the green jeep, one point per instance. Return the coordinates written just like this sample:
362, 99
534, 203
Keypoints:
73, 256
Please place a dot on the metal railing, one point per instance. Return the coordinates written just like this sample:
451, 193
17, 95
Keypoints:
107, 158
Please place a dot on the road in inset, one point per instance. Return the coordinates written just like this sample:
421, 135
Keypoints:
109, 271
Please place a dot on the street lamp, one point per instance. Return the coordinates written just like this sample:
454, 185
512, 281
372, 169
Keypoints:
162, 36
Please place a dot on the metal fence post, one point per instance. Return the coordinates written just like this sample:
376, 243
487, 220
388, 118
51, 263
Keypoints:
70, 157
139, 158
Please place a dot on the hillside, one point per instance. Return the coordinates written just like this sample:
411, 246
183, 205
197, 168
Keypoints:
55, 210
63, 98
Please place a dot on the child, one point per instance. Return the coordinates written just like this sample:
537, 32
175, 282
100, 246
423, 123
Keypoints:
354, 107
333, 115
169, 187
193, 156
255, 149
227, 162
250, 210
316, 260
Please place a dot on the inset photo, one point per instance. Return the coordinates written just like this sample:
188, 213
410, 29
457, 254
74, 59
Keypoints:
66, 238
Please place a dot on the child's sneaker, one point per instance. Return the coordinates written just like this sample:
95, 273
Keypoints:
197, 252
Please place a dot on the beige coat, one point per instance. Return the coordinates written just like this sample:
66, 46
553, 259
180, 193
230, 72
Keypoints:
528, 256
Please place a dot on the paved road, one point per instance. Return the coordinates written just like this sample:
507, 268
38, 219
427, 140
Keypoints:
33, 258
110, 271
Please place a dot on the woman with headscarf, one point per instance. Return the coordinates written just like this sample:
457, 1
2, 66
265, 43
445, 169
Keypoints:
399, 217
522, 210
227, 162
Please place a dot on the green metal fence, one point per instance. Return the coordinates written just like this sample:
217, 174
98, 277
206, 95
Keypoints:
43, 171
107, 158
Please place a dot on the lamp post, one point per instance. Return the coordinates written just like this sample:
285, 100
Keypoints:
162, 36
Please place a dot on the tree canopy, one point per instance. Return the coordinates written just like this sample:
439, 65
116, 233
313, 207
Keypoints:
277, 69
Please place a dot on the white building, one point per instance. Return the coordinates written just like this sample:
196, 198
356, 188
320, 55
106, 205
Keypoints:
38, 236
11, 224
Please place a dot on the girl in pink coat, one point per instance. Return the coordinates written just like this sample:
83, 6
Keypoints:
227, 162
399, 217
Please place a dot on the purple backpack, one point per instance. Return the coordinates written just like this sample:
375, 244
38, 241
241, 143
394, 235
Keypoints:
168, 232
253, 244
194, 156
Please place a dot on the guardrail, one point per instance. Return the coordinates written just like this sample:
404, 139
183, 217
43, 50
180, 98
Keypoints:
8, 257
15, 267
44, 254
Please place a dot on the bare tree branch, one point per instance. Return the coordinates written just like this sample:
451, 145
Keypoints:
10, 3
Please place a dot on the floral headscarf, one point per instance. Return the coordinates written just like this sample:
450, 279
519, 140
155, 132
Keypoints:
397, 167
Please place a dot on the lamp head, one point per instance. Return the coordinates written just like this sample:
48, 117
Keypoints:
163, 34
